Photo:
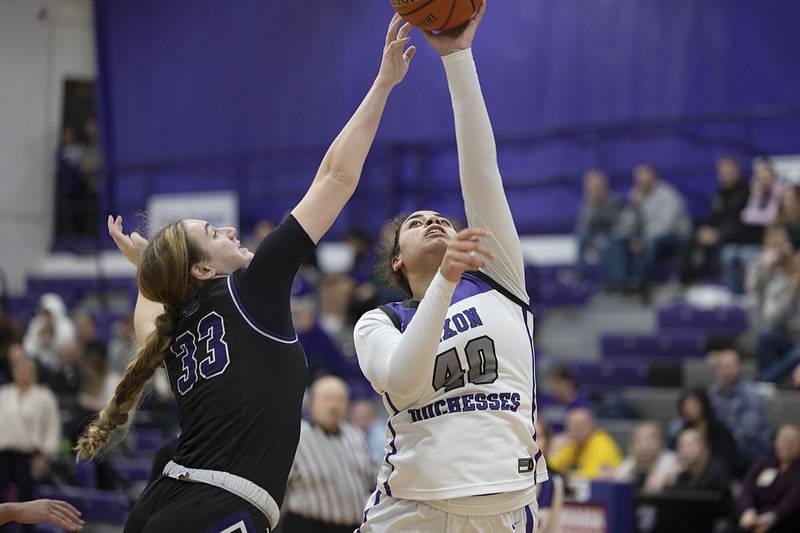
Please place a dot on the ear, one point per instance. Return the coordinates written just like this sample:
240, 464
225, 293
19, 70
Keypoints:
397, 263
203, 271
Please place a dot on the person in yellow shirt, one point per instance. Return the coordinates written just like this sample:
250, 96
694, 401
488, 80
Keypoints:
588, 451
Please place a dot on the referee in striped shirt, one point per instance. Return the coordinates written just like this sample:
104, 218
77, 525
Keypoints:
333, 472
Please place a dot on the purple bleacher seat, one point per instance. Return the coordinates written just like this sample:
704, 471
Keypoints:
149, 440
653, 345
95, 505
86, 475
611, 373
132, 470
686, 318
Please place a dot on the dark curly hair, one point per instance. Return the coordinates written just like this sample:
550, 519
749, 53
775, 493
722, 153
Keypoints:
387, 251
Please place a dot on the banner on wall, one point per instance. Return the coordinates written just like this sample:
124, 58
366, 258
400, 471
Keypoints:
787, 167
219, 208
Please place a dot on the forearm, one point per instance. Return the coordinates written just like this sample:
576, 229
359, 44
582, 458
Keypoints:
485, 200
8, 512
402, 364
144, 317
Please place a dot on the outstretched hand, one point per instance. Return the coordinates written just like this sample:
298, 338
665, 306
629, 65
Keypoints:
451, 41
53, 512
463, 254
395, 62
131, 245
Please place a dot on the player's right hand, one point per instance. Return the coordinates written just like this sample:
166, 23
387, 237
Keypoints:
131, 245
395, 62
53, 512
464, 254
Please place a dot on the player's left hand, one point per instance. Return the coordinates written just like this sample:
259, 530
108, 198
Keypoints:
394, 65
53, 512
131, 245
452, 41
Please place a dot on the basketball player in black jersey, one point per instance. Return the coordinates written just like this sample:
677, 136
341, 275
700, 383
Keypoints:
217, 316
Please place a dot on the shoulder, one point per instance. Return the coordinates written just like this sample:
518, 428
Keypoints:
379, 317
44, 394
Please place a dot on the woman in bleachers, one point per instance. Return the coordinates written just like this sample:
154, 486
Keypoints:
762, 208
50, 329
789, 213
770, 499
648, 462
550, 494
694, 408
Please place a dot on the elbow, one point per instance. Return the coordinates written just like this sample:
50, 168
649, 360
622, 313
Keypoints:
342, 180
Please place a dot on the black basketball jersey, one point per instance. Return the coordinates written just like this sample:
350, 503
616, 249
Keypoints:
238, 371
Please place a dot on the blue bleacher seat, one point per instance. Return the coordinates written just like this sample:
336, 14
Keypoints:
686, 344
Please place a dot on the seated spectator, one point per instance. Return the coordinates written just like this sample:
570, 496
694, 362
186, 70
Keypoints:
654, 224
262, 228
740, 407
789, 213
723, 226
86, 332
66, 385
698, 469
648, 462
588, 451
362, 416
564, 396
767, 267
98, 383
48, 331
696, 412
770, 499
775, 283
596, 220
549, 493
122, 344
31, 429
10, 334
760, 213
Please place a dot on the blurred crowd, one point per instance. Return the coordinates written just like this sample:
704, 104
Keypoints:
749, 242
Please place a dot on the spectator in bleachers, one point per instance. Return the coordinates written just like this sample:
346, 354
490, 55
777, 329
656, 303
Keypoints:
31, 428
649, 462
86, 332
696, 412
768, 268
66, 385
775, 283
760, 212
596, 220
10, 334
796, 376
48, 331
332, 474
589, 451
122, 344
789, 213
699, 469
362, 416
549, 493
654, 224
98, 383
722, 227
740, 407
564, 395
262, 228
770, 499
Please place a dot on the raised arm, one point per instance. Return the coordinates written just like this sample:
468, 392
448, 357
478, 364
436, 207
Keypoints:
338, 175
131, 245
485, 200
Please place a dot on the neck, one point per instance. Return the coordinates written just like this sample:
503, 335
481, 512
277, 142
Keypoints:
330, 428
23, 388
420, 281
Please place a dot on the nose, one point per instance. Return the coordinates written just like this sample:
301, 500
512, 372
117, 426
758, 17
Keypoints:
229, 232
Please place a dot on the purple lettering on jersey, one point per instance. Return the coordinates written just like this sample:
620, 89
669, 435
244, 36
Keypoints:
494, 401
427, 411
460, 322
448, 331
504, 398
515, 401
480, 401
414, 414
437, 407
453, 405
467, 401
473, 317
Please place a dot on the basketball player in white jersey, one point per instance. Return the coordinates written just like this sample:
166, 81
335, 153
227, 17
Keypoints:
455, 363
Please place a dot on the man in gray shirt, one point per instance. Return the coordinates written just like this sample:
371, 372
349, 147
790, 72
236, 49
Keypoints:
655, 223
596, 220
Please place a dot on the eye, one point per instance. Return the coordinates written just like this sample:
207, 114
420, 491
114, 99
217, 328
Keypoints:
445, 222
414, 223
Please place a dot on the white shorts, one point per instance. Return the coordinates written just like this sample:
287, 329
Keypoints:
385, 514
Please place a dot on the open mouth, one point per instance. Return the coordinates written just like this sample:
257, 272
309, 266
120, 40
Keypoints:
435, 232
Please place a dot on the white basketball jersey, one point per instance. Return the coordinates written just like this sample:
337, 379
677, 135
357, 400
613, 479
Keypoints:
472, 431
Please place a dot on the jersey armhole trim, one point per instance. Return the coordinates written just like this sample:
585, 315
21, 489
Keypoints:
236, 302
501, 289
393, 316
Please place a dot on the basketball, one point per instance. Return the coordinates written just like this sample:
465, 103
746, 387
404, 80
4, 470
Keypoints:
437, 15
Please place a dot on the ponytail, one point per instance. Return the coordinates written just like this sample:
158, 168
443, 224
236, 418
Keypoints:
141, 368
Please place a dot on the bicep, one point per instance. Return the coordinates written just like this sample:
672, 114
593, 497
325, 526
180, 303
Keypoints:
144, 318
375, 340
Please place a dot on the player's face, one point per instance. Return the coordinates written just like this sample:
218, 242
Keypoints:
224, 252
424, 235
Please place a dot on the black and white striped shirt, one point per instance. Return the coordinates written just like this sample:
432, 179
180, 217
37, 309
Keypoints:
332, 475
